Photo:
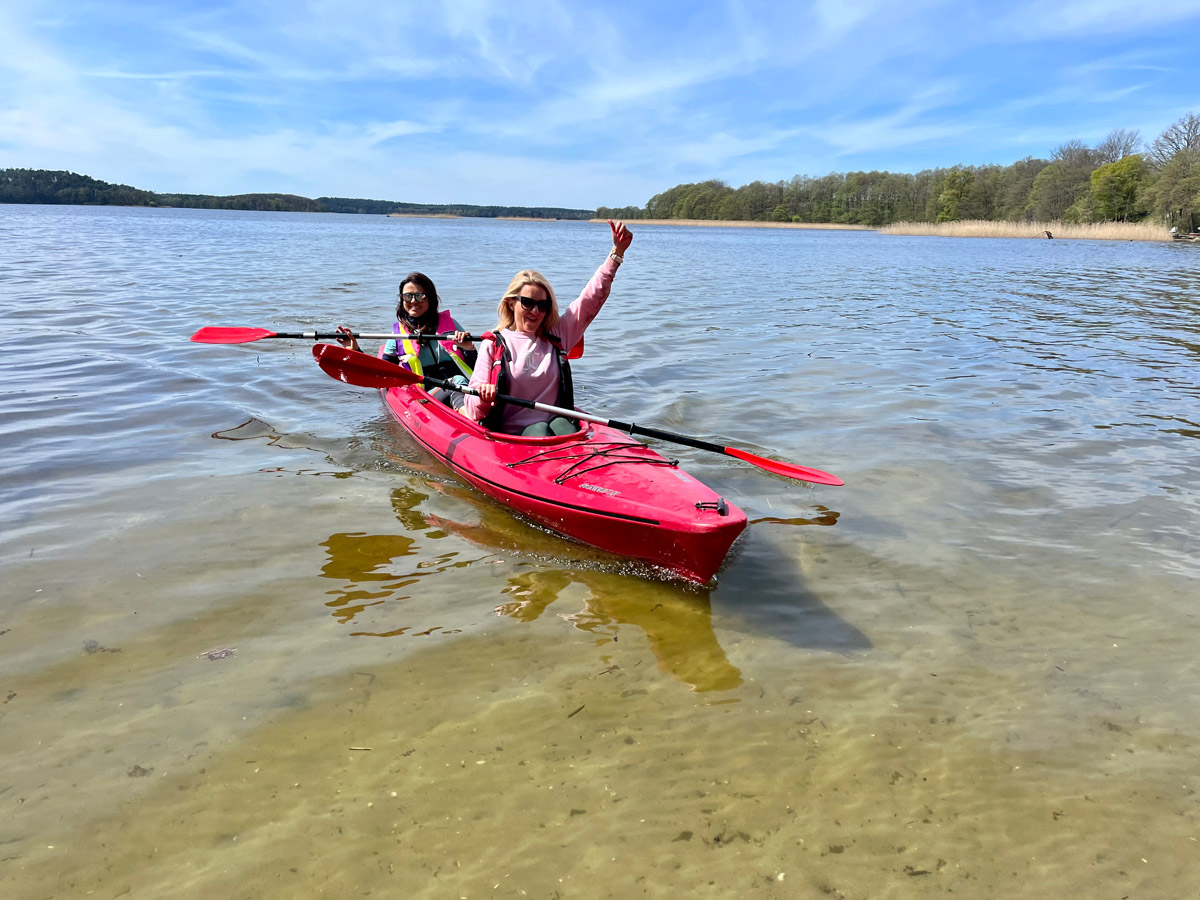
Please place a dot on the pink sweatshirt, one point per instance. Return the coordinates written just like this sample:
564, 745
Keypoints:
534, 372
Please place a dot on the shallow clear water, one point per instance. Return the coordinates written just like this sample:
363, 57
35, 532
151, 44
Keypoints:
973, 669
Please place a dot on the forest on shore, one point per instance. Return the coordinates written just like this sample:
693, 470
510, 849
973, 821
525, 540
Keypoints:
67, 188
1119, 180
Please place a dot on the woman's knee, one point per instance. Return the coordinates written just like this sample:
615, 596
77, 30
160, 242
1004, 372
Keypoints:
556, 426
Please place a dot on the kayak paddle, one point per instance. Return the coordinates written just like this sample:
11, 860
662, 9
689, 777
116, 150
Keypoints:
363, 370
219, 335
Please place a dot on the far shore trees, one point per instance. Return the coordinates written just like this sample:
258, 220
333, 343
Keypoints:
1118, 180
1115, 181
1176, 192
67, 188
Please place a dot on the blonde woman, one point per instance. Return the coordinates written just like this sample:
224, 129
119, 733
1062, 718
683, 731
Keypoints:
528, 358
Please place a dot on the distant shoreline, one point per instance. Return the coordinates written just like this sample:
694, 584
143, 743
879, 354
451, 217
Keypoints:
633, 223
402, 215
1098, 231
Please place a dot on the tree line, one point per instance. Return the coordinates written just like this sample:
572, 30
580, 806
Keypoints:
68, 188
1118, 180
384, 207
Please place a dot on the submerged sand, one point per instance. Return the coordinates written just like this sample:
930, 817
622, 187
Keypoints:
520, 764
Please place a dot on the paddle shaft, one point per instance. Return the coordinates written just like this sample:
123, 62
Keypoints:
352, 367
576, 351
627, 427
364, 335
226, 335
370, 336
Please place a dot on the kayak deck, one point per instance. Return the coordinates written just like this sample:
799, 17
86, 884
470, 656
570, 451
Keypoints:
599, 486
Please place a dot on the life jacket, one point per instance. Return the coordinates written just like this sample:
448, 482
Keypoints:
412, 349
501, 377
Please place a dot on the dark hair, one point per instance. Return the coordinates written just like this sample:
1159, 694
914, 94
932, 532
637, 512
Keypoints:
426, 323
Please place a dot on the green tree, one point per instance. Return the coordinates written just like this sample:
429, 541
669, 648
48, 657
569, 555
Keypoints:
756, 200
620, 212
1176, 193
1062, 184
814, 197
1015, 187
954, 194
1115, 190
730, 209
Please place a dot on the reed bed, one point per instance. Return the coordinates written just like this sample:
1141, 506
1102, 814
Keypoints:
724, 223
1098, 231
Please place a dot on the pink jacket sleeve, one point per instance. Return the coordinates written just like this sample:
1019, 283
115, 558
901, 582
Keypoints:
578, 316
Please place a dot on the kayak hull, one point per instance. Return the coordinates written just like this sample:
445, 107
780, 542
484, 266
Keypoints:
598, 486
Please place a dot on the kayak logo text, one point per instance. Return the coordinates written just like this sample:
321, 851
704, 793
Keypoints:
600, 490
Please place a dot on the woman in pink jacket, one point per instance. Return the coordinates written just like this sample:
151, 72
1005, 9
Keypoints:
528, 359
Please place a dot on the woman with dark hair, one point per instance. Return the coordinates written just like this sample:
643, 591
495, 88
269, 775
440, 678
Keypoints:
417, 313
528, 357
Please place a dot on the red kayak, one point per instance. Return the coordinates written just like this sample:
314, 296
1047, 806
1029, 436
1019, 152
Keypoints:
599, 486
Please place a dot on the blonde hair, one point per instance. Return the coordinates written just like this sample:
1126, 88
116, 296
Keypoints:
504, 311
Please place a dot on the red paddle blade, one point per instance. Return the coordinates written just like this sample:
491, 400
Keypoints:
359, 369
230, 335
788, 470
577, 350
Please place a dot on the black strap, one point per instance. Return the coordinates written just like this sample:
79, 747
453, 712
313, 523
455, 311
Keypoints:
566, 385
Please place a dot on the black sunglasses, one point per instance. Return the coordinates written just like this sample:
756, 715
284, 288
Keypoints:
530, 304
412, 297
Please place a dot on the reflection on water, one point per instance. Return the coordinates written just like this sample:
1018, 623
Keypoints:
676, 619
357, 559
677, 623
374, 570
824, 516
366, 563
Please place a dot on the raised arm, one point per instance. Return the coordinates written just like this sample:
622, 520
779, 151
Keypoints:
576, 318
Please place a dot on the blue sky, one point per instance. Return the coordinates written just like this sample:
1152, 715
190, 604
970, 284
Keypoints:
550, 103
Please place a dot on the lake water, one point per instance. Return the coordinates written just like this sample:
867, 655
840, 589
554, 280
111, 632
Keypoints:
255, 644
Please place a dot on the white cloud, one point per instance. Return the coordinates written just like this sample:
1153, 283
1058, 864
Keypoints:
716, 151
838, 17
401, 100
1075, 18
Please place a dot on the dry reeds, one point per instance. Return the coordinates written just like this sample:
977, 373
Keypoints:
723, 223
1099, 231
